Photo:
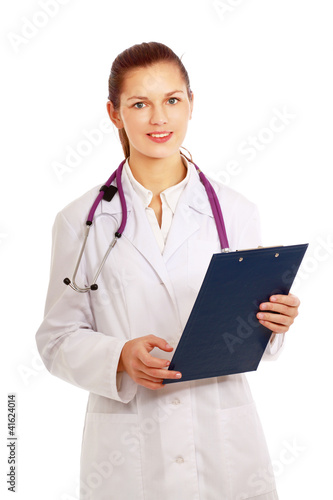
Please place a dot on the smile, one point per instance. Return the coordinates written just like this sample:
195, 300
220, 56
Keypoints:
160, 137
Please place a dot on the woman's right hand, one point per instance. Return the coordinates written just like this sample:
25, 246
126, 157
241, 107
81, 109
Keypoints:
141, 366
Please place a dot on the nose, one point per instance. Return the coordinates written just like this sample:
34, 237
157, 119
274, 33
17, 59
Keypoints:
158, 116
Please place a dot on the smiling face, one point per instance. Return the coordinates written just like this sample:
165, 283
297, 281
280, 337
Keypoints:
154, 110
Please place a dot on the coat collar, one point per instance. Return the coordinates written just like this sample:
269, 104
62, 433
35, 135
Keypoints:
194, 196
193, 200
170, 196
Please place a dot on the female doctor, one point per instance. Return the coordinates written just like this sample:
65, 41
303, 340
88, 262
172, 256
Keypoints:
143, 440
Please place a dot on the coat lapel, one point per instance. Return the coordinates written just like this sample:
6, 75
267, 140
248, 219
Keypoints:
138, 231
193, 201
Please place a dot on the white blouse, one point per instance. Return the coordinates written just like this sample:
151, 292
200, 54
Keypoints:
169, 198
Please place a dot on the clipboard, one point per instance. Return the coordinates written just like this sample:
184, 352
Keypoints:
223, 335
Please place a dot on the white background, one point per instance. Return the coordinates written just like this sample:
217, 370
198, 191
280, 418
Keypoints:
246, 60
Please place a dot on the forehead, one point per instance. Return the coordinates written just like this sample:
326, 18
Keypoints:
153, 80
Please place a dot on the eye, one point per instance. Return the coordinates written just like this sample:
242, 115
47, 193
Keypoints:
174, 99
139, 105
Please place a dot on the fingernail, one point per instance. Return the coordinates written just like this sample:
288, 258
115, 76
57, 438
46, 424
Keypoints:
168, 346
178, 375
273, 298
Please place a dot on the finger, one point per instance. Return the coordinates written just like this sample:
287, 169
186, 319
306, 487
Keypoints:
143, 373
153, 341
157, 376
279, 308
149, 343
165, 374
149, 384
150, 361
289, 300
276, 319
170, 374
147, 377
274, 327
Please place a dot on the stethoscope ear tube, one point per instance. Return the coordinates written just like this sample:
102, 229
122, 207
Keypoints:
72, 283
216, 209
116, 175
94, 286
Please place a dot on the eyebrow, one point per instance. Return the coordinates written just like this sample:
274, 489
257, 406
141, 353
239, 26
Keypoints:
145, 97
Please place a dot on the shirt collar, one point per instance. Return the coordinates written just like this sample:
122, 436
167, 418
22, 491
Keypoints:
170, 195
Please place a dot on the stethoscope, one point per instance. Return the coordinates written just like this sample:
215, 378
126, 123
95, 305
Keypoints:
107, 191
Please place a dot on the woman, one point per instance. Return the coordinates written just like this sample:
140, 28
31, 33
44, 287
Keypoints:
142, 439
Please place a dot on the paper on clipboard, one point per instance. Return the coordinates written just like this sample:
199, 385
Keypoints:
222, 335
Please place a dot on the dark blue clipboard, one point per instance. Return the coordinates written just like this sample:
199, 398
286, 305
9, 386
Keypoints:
222, 335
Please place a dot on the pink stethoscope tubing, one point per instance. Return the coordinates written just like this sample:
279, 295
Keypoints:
213, 200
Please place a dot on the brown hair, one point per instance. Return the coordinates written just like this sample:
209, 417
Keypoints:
140, 55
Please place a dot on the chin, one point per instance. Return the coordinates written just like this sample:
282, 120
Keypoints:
158, 152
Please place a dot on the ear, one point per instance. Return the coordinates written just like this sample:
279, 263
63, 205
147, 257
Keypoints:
191, 105
114, 115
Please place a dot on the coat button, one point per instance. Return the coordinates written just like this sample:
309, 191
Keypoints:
179, 460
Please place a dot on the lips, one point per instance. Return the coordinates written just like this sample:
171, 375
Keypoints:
160, 136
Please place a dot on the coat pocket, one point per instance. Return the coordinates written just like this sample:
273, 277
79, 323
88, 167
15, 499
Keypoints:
245, 454
110, 458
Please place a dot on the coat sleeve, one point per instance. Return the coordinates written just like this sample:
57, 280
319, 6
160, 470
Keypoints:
250, 237
67, 340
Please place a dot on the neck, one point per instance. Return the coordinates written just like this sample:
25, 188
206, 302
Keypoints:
157, 174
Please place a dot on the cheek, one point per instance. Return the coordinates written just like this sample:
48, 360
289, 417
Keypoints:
182, 121
182, 117
133, 124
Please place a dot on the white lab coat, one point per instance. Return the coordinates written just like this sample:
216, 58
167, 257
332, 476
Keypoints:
189, 440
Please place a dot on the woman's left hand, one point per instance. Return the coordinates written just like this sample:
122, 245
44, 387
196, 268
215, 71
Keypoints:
286, 307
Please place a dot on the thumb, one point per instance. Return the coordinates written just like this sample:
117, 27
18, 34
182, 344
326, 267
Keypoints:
162, 344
